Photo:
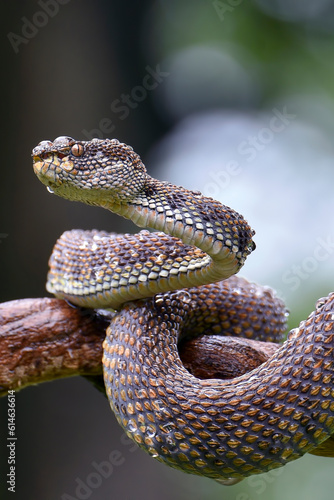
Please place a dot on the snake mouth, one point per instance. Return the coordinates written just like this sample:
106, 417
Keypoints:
49, 168
46, 170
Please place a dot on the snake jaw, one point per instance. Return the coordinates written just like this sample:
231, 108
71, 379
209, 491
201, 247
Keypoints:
46, 168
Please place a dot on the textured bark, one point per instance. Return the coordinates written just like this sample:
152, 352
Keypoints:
45, 339
211, 356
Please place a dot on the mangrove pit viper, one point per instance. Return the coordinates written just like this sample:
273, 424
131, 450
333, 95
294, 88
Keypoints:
168, 284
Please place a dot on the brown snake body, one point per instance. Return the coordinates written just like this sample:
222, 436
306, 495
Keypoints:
166, 286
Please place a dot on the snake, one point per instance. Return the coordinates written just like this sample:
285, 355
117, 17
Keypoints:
176, 279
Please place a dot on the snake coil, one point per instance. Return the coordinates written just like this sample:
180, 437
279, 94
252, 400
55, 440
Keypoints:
176, 283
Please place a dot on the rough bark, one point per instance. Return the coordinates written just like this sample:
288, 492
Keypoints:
45, 339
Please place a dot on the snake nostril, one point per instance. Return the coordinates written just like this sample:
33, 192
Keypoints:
40, 148
41, 155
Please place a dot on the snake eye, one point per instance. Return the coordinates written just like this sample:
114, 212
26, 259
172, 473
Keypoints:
77, 150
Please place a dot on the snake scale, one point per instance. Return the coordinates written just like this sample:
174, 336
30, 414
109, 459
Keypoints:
178, 282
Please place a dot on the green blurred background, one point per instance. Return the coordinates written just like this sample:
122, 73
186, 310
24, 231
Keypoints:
235, 98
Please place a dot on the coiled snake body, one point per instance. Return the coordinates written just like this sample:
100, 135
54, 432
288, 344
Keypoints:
166, 285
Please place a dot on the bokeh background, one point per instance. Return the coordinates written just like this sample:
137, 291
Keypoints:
235, 98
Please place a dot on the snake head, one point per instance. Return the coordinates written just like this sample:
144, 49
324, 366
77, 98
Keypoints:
97, 172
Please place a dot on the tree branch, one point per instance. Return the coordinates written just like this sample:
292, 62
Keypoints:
45, 339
